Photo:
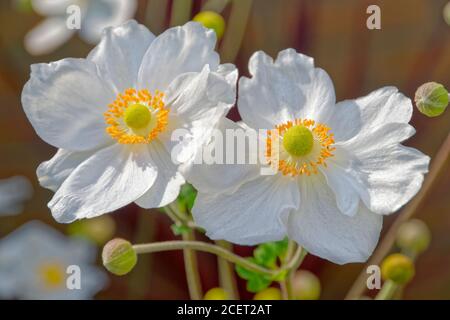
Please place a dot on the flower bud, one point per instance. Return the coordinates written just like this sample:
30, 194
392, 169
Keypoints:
211, 20
119, 257
431, 99
398, 268
446, 13
413, 236
268, 294
216, 294
305, 286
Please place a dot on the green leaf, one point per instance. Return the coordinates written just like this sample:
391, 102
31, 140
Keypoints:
258, 283
245, 273
179, 229
187, 197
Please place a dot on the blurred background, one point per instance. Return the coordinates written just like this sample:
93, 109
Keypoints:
412, 47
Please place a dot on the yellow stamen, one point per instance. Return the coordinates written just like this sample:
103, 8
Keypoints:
304, 153
136, 116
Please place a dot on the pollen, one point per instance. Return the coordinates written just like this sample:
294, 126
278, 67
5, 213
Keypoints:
136, 117
305, 145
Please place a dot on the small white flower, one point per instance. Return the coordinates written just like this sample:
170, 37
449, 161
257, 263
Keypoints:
95, 16
342, 166
112, 116
34, 262
14, 192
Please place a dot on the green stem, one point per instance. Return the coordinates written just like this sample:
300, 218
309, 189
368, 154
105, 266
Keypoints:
387, 291
227, 278
191, 266
215, 5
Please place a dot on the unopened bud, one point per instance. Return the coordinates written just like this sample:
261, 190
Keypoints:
431, 99
398, 268
211, 20
413, 236
305, 286
119, 257
268, 294
216, 294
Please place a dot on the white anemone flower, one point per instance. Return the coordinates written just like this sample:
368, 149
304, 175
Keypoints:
36, 262
14, 192
341, 165
112, 116
95, 15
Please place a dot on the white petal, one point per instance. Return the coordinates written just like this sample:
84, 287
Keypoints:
220, 178
192, 95
110, 179
388, 173
52, 173
342, 184
103, 14
283, 90
65, 102
119, 54
176, 51
251, 215
167, 185
47, 36
14, 192
325, 232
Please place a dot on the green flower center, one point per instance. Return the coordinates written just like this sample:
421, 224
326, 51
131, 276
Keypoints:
137, 116
298, 141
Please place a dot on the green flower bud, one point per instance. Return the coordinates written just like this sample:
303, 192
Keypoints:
211, 20
119, 257
431, 99
98, 230
413, 236
268, 294
216, 294
398, 268
305, 286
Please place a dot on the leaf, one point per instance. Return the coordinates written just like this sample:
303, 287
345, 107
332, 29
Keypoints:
257, 284
179, 229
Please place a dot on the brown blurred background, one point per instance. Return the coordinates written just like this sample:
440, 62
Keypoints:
412, 47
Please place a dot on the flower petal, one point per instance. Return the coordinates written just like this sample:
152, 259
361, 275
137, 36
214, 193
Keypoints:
325, 232
65, 101
119, 53
50, 7
14, 192
47, 36
221, 177
103, 14
52, 173
176, 51
249, 216
167, 185
110, 179
388, 173
283, 90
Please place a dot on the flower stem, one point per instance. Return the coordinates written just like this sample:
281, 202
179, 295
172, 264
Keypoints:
387, 291
438, 165
181, 12
191, 266
205, 247
215, 5
227, 278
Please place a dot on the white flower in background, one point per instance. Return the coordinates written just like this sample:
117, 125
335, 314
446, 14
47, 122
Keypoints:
112, 116
34, 262
342, 166
14, 192
95, 15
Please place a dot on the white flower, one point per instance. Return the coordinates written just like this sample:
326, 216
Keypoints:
112, 116
342, 166
35, 261
95, 15
14, 192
